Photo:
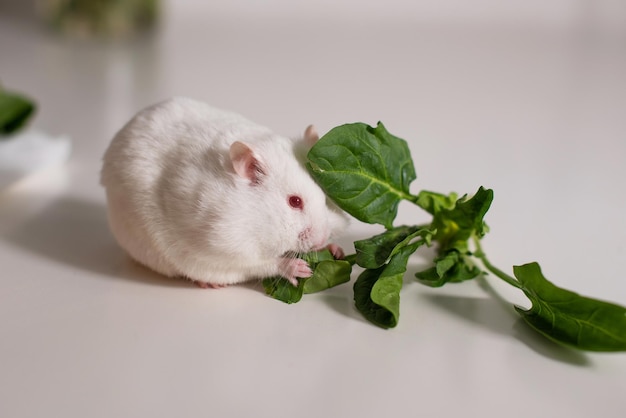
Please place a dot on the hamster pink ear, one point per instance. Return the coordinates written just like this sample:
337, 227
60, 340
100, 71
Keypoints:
310, 135
245, 163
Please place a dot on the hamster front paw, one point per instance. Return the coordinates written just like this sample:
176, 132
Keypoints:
336, 251
292, 268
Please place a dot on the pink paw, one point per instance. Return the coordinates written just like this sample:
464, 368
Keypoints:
336, 251
292, 268
205, 285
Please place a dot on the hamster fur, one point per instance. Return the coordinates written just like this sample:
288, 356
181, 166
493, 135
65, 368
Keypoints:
202, 193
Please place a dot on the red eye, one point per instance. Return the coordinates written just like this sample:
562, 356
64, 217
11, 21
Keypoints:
296, 202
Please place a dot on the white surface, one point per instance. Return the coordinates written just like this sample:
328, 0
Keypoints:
29, 151
536, 111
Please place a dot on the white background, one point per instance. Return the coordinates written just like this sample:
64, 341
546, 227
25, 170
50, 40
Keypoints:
527, 98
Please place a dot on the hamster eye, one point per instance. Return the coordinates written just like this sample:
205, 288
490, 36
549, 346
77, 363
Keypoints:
296, 202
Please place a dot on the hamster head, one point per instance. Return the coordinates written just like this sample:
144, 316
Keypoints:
290, 209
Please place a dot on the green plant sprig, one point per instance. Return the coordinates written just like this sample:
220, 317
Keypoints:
327, 273
367, 172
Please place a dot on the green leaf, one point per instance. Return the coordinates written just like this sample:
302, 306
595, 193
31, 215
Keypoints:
469, 213
434, 203
327, 273
455, 226
14, 112
374, 252
569, 318
377, 291
455, 221
449, 267
315, 257
366, 171
279, 288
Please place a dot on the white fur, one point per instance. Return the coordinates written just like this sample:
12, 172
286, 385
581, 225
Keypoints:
177, 205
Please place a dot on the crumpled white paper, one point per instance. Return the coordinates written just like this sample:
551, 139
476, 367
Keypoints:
30, 151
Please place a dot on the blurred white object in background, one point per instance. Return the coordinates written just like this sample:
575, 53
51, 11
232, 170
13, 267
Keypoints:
30, 151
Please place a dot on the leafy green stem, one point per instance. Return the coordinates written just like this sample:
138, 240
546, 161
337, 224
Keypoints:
350, 258
412, 198
367, 172
480, 254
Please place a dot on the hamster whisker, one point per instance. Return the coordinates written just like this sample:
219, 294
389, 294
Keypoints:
292, 254
274, 282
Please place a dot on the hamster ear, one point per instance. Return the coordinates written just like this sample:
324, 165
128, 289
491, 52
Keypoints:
310, 135
246, 163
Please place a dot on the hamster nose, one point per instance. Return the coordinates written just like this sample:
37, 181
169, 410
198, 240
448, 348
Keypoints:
305, 235
320, 244
313, 239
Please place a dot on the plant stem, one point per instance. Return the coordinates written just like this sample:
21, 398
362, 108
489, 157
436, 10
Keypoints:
411, 198
350, 258
493, 269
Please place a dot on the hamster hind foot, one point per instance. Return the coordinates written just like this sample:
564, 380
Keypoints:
205, 285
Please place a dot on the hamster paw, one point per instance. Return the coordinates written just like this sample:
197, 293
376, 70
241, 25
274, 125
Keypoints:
292, 268
336, 251
205, 285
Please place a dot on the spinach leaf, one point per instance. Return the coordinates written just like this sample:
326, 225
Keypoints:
279, 288
366, 171
434, 203
15, 110
377, 291
376, 251
452, 266
455, 222
327, 273
567, 317
456, 225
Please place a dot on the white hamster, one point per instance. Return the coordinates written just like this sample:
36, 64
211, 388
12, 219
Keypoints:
206, 194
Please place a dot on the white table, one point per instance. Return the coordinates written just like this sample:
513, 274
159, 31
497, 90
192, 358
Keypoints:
535, 111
